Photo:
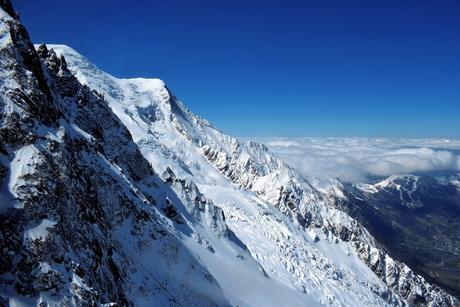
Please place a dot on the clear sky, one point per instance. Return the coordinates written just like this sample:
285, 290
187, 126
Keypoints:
278, 68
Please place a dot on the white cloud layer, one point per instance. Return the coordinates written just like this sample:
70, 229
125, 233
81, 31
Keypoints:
358, 159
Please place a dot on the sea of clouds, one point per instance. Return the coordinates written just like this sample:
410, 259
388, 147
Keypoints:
360, 159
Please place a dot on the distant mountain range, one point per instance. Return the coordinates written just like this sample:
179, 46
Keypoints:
416, 218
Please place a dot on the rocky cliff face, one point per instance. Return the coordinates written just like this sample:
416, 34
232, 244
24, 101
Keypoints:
80, 207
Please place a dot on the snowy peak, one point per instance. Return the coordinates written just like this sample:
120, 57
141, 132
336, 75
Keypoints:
398, 182
81, 214
249, 183
405, 185
87, 71
409, 189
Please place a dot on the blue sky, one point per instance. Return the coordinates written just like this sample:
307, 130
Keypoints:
278, 68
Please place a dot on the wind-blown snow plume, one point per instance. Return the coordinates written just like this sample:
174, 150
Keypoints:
358, 159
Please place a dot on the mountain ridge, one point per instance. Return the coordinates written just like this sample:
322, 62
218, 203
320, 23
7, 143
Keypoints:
226, 158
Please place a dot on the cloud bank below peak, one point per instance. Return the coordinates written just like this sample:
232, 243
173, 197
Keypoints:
360, 159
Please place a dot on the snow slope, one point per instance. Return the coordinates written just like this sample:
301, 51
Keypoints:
83, 219
159, 132
294, 234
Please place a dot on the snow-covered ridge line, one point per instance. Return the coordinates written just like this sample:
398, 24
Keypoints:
169, 135
82, 212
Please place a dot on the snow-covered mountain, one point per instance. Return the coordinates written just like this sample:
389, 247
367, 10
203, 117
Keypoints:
170, 136
414, 216
113, 192
416, 219
82, 213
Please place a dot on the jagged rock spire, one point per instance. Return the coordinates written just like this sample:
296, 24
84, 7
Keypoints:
8, 7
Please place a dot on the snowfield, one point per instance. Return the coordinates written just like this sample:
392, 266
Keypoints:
270, 258
275, 262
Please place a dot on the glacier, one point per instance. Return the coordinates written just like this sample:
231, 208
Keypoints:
170, 136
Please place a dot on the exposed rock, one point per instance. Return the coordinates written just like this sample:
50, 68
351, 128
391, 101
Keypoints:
78, 184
